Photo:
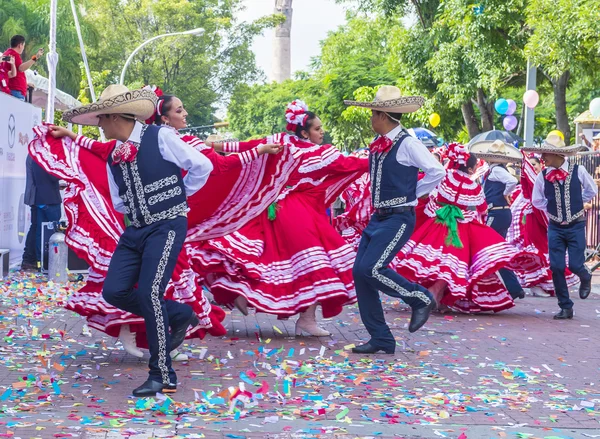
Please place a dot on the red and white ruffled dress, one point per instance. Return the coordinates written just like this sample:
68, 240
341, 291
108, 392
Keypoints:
288, 257
456, 247
95, 227
529, 232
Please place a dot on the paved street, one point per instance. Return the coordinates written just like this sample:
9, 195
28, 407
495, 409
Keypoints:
517, 374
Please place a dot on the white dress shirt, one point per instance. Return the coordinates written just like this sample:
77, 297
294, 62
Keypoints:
174, 150
412, 152
590, 190
500, 174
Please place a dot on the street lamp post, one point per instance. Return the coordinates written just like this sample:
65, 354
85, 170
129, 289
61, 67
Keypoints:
198, 31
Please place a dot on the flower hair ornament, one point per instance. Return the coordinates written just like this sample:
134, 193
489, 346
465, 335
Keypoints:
441, 151
458, 155
295, 114
159, 104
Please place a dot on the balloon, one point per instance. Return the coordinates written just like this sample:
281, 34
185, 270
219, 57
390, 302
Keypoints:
434, 120
557, 133
512, 106
595, 107
501, 106
531, 98
510, 123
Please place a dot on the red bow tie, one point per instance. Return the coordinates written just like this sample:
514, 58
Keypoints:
125, 153
556, 175
381, 144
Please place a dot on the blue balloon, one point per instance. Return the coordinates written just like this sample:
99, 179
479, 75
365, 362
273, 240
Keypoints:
501, 106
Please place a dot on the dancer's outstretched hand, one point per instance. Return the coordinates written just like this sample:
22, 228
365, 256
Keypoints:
217, 146
269, 148
58, 132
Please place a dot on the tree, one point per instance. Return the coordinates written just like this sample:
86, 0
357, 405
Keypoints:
202, 70
353, 56
30, 18
563, 42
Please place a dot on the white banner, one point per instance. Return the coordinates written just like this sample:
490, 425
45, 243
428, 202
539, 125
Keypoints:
17, 120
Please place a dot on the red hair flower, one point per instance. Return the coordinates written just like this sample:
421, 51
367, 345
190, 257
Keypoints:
458, 155
295, 114
158, 93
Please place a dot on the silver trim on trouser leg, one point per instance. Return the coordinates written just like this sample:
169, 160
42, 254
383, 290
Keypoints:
389, 282
160, 322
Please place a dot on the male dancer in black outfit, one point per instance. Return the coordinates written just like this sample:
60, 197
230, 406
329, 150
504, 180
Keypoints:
146, 184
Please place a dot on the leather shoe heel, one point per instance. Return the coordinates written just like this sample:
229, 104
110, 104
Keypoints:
585, 288
178, 333
420, 316
518, 295
564, 314
151, 388
368, 348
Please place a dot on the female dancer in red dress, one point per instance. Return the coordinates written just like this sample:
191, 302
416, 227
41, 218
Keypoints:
95, 227
289, 259
454, 254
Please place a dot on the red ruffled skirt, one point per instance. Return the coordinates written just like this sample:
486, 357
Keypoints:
529, 232
470, 273
93, 233
282, 266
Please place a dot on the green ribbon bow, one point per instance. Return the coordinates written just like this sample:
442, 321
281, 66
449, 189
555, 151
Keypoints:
272, 211
273, 208
448, 215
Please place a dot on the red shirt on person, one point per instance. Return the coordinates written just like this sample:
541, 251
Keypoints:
4, 80
19, 82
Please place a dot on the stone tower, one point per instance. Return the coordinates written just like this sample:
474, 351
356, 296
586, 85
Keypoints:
282, 57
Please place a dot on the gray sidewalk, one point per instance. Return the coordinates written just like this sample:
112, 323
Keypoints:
517, 374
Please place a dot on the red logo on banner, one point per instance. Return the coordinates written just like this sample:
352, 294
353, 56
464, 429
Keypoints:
23, 139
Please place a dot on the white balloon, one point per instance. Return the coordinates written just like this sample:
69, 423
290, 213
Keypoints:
595, 107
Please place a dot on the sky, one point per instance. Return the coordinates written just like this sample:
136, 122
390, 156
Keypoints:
311, 20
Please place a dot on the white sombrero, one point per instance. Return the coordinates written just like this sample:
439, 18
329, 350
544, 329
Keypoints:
555, 145
496, 151
389, 99
115, 99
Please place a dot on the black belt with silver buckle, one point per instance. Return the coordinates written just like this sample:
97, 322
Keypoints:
390, 210
566, 224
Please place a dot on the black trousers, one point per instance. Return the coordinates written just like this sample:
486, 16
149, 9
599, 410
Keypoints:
561, 240
29, 254
500, 220
146, 256
381, 241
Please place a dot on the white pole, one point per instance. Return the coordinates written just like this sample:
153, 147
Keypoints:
85, 61
52, 59
83, 54
530, 112
198, 31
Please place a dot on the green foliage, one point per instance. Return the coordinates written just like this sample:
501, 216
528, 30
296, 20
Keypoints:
31, 18
202, 70
564, 35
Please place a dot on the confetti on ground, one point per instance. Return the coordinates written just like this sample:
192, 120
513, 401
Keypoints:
509, 370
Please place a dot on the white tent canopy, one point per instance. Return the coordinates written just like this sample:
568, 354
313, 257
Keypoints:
39, 98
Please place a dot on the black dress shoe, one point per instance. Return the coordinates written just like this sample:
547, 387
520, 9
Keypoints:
368, 348
420, 315
29, 266
564, 314
518, 295
151, 388
178, 333
585, 288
